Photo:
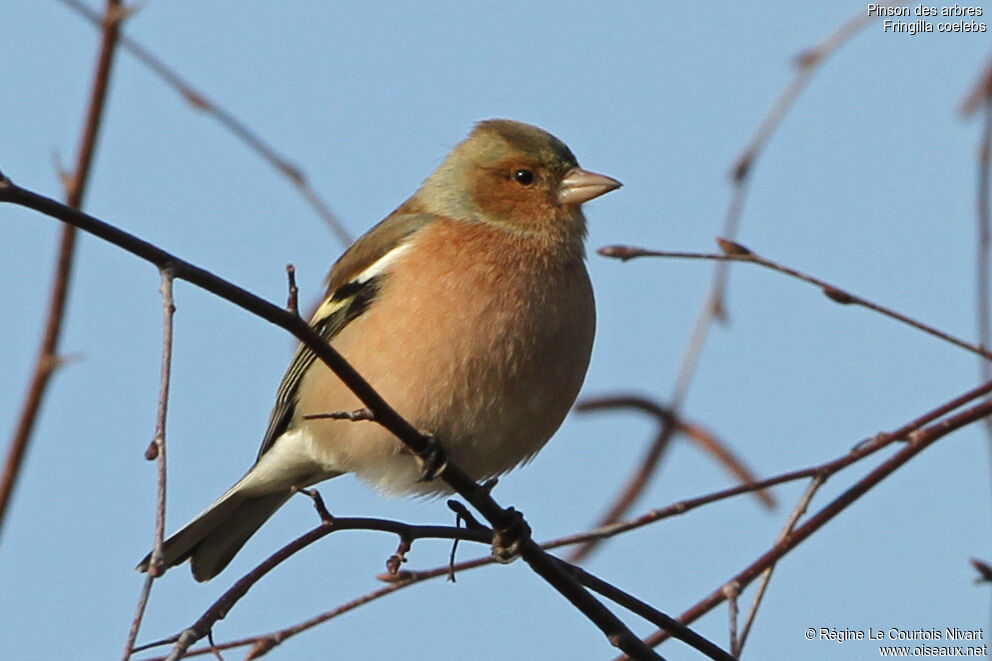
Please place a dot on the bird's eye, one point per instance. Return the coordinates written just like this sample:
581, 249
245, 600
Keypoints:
523, 177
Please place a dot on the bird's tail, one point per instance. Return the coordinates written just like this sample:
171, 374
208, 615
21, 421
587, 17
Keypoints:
212, 539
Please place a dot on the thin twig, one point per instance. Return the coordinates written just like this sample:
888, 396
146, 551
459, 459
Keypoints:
731, 591
358, 415
252, 140
832, 292
919, 441
738, 641
156, 451
807, 62
293, 297
507, 523
733, 464
48, 359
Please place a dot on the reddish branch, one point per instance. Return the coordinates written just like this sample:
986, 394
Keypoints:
918, 441
668, 424
735, 252
251, 139
75, 187
733, 589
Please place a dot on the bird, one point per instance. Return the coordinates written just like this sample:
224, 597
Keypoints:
468, 308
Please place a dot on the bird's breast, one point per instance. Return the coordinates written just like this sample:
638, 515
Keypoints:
478, 337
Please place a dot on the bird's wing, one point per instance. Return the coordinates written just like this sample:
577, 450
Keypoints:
352, 286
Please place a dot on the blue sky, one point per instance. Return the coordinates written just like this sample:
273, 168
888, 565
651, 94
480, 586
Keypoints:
869, 183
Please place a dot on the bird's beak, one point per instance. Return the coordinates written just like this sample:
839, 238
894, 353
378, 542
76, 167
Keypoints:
580, 186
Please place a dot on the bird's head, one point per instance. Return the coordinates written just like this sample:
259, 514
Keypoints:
514, 175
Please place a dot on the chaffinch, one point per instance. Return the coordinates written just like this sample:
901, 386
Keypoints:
470, 311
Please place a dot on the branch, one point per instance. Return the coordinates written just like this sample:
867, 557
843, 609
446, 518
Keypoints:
504, 521
220, 608
735, 252
807, 62
635, 605
48, 359
251, 139
737, 642
328, 525
668, 423
156, 451
827, 469
918, 442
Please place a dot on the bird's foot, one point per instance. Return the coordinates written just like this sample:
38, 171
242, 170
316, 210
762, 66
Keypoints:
432, 459
508, 540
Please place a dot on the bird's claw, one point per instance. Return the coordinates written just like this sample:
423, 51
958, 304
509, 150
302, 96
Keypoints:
508, 541
432, 460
